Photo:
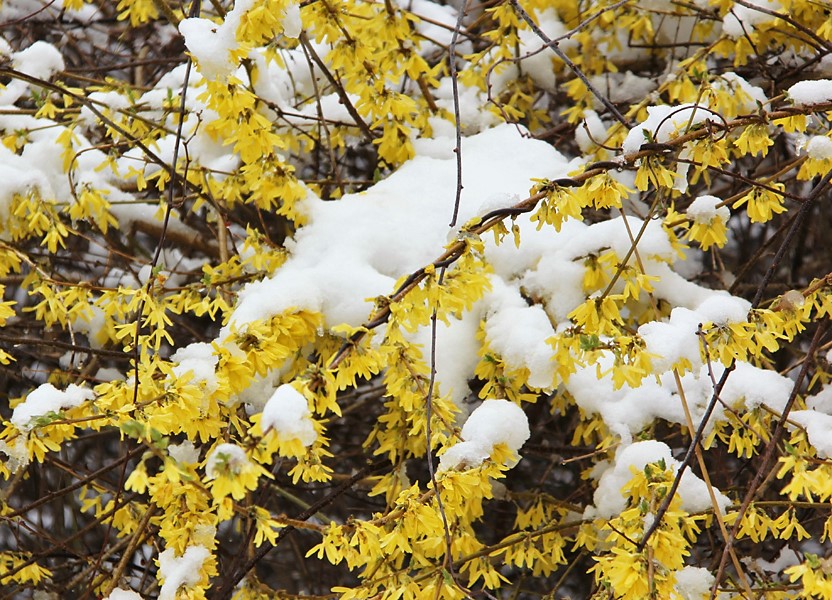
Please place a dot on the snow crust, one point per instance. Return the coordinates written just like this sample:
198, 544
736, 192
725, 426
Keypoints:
46, 399
493, 422
287, 412
178, 571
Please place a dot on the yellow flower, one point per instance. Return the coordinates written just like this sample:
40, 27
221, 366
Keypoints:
754, 139
604, 191
230, 472
763, 203
652, 171
710, 220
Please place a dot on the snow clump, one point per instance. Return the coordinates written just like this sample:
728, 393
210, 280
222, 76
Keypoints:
493, 422
808, 93
47, 399
287, 412
178, 571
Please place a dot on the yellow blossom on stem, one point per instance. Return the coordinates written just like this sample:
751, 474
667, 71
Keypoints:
710, 218
754, 139
763, 203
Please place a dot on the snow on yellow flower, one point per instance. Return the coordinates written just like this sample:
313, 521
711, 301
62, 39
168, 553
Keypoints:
819, 157
709, 222
230, 472
193, 567
763, 203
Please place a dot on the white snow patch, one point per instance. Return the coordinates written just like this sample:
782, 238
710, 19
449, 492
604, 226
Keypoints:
818, 427
120, 594
705, 208
591, 132
394, 228
493, 422
178, 571
225, 456
212, 43
742, 19
807, 93
662, 122
287, 412
518, 333
199, 360
609, 500
819, 147
46, 399
185, 453
694, 583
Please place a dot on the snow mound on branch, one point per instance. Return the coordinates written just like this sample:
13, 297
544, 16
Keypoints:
211, 44
180, 570
741, 19
609, 500
807, 93
493, 422
354, 250
287, 412
120, 594
46, 399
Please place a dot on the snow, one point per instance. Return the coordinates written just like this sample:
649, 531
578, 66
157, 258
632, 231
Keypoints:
46, 399
456, 352
748, 95
627, 411
211, 44
818, 427
493, 422
694, 583
224, 456
787, 557
413, 204
538, 60
662, 123
436, 22
199, 360
292, 23
518, 333
185, 453
40, 60
742, 19
819, 147
287, 413
178, 571
120, 594
807, 93
622, 87
591, 132
609, 500
705, 208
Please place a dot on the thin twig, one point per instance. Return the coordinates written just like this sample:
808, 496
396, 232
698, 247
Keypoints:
572, 66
